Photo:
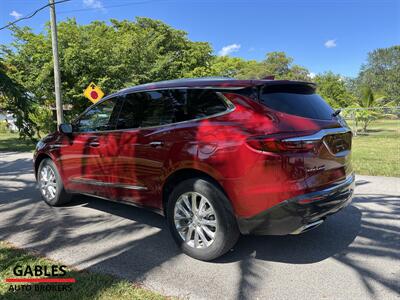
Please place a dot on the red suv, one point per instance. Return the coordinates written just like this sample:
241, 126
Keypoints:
216, 156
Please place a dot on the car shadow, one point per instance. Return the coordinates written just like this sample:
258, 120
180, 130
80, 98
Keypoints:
335, 239
331, 237
309, 247
130, 212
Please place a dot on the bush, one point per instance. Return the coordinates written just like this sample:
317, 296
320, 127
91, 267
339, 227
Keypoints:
3, 127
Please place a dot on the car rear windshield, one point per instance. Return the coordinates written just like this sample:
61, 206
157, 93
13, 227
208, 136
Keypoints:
296, 99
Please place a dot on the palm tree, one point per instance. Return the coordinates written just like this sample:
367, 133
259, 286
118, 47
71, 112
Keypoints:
366, 104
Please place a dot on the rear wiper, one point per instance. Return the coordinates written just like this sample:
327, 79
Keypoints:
336, 112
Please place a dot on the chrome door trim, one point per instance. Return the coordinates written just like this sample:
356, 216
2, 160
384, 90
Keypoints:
319, 135
156, 143
108, 184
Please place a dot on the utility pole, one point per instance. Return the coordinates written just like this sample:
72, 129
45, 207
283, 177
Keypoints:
57, 79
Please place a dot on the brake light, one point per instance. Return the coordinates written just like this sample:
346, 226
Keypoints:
278, 144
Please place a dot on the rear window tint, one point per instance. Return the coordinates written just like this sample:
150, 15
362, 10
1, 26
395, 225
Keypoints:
203, 103
299, 100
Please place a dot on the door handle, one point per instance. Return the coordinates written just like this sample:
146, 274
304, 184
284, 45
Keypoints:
94, 144
156, 144
93, 141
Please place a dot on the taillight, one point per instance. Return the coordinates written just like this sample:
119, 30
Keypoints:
278, 144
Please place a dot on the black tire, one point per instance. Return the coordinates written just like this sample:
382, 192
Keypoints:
61, 196
227, 233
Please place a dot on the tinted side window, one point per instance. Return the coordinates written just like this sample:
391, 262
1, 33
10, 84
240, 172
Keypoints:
203, 103
98, 118
131, 115
153, 108
297, 100
159, 110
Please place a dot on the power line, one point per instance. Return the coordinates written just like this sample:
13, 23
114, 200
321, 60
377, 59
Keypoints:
79, 10
32, 14
111, 6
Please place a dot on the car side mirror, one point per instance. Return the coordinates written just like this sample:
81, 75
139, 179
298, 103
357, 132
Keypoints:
65, 128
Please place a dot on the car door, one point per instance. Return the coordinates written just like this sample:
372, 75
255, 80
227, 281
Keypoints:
86, 152
144, 133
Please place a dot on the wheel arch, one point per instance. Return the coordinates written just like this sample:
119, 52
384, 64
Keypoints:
181, 175
38, 160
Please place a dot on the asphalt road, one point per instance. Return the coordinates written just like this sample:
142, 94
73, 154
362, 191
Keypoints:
354, 255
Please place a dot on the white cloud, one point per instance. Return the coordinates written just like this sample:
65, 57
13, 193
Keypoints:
229, 49
97, 4
312, 75
330, 44
16, 15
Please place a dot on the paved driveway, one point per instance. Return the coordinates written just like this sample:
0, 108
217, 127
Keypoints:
354, 255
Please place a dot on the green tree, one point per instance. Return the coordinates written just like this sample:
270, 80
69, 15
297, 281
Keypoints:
225, 66
15, 99
332, 87
382, 72
297, 72
277, 64
253, 70
114, 56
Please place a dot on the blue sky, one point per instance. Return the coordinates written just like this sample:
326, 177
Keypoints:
319, 34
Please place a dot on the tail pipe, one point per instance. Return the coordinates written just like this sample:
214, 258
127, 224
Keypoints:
308, 227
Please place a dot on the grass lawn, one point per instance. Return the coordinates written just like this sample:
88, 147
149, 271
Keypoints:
378, 151
12, 142
88, 285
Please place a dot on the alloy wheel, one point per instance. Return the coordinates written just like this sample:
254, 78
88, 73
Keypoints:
195, 220
47, 182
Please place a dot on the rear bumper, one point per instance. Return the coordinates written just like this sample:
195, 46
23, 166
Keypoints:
300, 213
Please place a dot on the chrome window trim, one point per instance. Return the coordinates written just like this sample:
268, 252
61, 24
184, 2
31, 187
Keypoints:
108, 184
319, 135
230, 108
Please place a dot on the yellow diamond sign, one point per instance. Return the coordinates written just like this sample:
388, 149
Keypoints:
93, 93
